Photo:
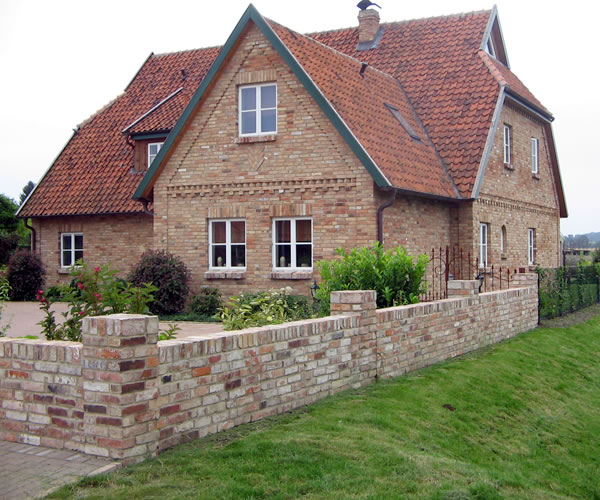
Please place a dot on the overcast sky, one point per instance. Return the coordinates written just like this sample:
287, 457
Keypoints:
62, 60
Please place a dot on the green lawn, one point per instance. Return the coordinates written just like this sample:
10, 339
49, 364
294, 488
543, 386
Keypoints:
523, 422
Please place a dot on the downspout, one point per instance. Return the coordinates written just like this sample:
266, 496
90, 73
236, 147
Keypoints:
33, 235
380, 210
145, 202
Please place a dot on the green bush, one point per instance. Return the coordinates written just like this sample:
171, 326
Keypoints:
392, 274
26, 275
205, 303
168, 274
93, 292
265, 308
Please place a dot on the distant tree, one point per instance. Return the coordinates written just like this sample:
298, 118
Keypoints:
8, 221
25, 192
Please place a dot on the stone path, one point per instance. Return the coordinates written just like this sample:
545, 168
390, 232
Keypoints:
28, 471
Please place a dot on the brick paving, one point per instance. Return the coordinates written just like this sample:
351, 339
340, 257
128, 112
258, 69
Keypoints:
28, 471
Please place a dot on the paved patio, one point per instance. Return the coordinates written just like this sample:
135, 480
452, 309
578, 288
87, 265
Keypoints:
28, 471
23, 318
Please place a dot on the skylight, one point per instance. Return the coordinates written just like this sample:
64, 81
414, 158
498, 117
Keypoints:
404, 122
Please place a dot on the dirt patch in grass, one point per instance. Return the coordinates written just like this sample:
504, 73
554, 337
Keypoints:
574, 318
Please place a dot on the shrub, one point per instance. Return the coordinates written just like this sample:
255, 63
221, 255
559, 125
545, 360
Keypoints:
168, 274
91, 293
26, 275
205, 303
264, 308
392, 274
8, 244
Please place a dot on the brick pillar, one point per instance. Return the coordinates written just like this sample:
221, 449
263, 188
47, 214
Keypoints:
462, 288
365, 303
120, 386
522, 280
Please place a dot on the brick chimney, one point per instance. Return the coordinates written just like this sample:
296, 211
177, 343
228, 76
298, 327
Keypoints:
368, 24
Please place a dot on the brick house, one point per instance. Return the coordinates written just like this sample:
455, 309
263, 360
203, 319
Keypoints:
254, 160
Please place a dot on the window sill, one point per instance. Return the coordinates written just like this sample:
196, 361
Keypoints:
225, 275
67, 270
509, 166
249, 139
503, 256
535, 176
291, 275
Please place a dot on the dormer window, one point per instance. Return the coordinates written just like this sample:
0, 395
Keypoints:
153, 149
258, 109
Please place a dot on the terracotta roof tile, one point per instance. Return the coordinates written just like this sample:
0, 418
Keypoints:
437, 62
361, 103
93, 174
452, 85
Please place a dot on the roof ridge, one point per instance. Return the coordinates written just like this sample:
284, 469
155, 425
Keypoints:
197, 49
99, 111
416, 19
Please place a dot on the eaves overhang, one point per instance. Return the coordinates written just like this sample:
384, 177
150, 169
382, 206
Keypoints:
251, 14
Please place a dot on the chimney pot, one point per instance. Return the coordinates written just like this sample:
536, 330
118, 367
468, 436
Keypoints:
368, 25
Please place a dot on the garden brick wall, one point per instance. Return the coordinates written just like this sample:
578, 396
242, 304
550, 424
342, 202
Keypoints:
122, 395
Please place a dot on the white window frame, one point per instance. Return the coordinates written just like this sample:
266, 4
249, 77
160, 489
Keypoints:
507, 141
531, 246
292, 243
257, 110
227, 244
490, 49
71, 250
535, 154
151, 157
483, 244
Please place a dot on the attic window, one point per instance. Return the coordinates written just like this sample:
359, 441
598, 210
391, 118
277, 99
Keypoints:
404, 122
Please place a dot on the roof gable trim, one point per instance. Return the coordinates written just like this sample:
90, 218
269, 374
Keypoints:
493, 35
488, 144
251, 14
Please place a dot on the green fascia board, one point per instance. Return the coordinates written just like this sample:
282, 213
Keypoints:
146, 136
251, 14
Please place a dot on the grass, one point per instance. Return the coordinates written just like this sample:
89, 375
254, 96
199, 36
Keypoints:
518, 420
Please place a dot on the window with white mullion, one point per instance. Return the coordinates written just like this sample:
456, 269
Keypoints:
292, 243
483, 245
71, 249
507, 144
227, 244
258, 109
531, 246
534, 155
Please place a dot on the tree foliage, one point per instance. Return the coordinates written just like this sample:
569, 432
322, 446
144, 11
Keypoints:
28, 188
8, 220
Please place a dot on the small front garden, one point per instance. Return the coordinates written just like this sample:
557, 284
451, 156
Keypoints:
517, 420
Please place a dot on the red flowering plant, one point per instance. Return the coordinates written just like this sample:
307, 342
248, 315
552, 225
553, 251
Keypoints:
93, 292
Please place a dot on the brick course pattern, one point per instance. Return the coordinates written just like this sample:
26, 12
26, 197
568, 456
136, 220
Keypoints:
118, 240
123, 396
